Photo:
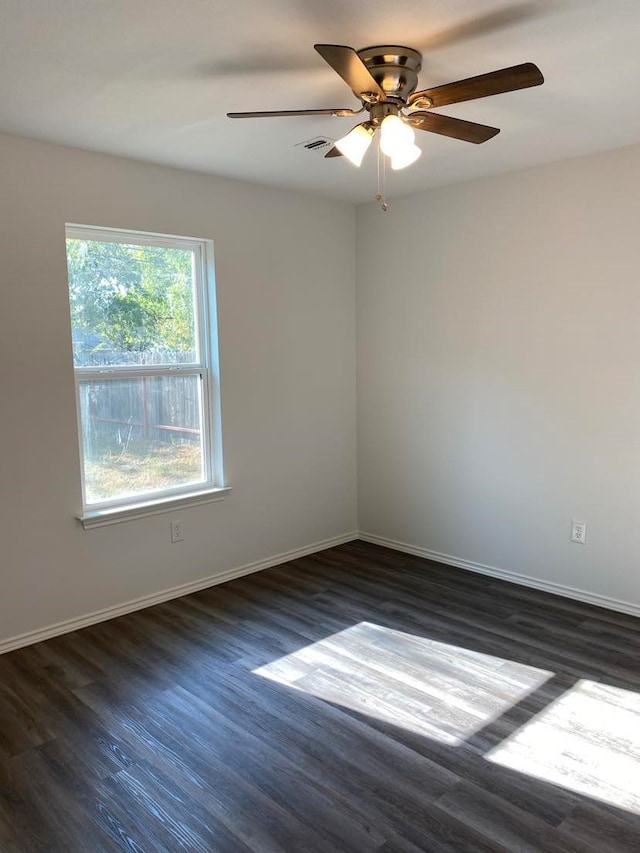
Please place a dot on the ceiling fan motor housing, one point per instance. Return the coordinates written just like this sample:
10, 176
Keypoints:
394, 68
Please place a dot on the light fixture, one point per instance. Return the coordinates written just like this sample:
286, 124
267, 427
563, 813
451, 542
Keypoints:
355, 144
395, 135
396, 141
405, 156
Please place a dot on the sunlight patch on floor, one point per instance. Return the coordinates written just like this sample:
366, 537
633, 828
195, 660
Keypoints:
587, 741
439, 690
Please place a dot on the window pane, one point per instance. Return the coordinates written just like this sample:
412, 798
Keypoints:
141, 435
131, 304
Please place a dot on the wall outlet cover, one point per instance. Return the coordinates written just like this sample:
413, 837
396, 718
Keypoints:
177, 532
578, 531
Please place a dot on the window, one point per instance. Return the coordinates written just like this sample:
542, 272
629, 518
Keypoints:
143, 326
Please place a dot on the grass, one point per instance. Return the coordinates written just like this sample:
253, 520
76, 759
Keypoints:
141, 467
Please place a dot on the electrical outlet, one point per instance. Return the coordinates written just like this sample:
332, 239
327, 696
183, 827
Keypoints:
177, 533
578, 531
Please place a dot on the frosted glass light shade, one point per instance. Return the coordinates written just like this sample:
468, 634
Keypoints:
395, 135
405, 156
355, 144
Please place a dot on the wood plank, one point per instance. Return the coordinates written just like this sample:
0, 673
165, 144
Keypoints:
354, 700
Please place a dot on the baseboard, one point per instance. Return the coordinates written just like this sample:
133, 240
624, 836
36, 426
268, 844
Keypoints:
66, 627
167, 594
512, 577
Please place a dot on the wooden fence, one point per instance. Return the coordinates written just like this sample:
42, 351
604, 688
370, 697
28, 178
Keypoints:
145, 408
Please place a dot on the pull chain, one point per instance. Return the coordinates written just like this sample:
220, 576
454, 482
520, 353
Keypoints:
380, 196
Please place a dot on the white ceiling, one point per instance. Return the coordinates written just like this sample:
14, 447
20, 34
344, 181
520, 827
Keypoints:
153, 79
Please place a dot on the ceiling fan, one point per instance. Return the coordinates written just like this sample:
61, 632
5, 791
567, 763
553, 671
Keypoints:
384, 78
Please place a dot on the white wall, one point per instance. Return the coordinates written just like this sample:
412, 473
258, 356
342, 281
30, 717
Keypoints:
499, 372
286, 316
498, 369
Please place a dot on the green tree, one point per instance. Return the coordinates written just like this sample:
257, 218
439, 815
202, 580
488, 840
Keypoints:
131, 298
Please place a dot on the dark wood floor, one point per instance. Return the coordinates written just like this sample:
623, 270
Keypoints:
355, 700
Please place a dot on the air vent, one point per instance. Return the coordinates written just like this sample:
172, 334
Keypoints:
319, 144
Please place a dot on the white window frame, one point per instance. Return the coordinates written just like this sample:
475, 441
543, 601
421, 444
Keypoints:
212, 488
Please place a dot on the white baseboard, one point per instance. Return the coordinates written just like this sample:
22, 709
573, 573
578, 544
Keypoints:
522, 580
165, 595
185, 589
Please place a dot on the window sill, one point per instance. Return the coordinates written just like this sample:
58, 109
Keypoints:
129, 512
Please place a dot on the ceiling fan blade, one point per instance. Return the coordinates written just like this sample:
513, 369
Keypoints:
494, 83
333, 153
346, 62
468, 131
275, 113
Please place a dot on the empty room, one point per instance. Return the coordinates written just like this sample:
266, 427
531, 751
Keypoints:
320, 426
